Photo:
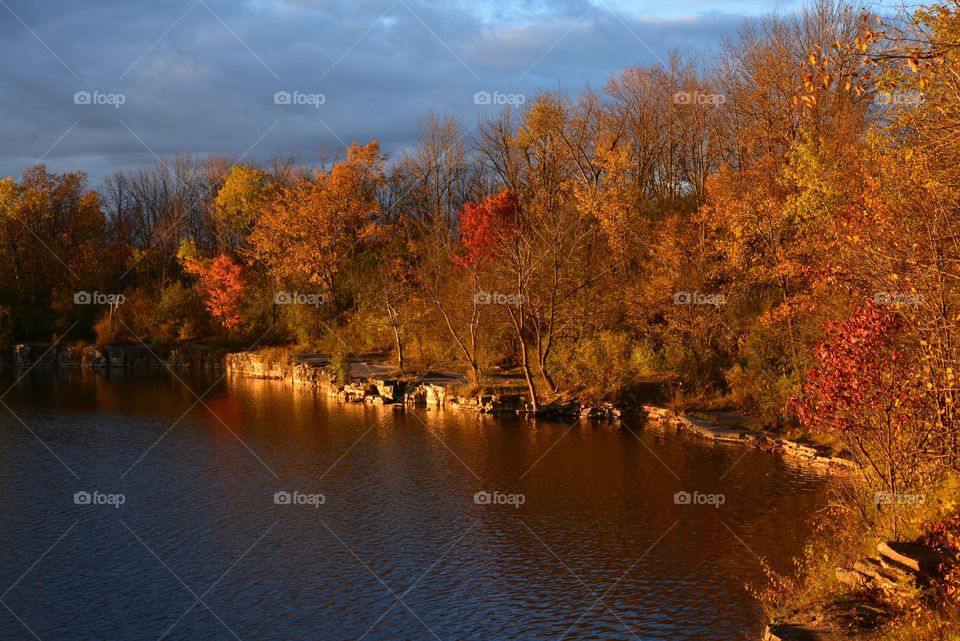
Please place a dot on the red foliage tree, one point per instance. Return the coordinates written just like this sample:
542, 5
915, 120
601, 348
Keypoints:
486, 226
864, 391
221, 282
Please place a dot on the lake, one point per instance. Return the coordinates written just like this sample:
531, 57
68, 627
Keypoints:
131, 511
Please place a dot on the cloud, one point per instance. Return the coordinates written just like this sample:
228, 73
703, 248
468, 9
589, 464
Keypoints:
201, 77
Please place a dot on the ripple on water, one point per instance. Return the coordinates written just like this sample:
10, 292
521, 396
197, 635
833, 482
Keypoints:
598, 550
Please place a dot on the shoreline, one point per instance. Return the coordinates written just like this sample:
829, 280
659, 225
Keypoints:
429, 390
422, 392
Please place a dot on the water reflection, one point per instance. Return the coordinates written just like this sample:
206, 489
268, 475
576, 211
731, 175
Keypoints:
598, 549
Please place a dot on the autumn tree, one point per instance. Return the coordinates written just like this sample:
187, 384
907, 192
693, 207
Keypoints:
308, 233
432, 183
221, 282
50, 239
239, 202
864, 390
546, 256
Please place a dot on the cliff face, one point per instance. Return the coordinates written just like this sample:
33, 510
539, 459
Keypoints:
186, 356
253, 364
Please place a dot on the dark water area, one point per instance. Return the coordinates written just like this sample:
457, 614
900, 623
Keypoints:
384, 536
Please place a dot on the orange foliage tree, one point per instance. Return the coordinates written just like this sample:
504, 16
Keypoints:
221, 282
310, 230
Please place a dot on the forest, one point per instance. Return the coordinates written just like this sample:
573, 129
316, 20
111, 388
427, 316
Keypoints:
773, 228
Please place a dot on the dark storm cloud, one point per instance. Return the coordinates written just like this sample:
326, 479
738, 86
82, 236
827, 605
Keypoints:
202, 77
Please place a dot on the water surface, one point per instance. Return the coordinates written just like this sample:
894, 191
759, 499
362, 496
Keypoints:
399, 549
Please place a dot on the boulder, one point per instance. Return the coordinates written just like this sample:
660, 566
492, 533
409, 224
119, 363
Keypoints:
435, 394
915, 556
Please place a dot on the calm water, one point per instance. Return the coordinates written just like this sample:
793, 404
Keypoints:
399, 550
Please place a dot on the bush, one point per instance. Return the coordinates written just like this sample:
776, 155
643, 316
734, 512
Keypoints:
341, 365
179, 315
762, 393
106, 329
271, 356
602, 365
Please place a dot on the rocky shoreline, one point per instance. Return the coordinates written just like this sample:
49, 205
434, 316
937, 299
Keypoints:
898, 568
400, 394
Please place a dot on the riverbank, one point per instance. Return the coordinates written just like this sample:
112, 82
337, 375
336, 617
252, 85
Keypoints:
375, 382
434, 389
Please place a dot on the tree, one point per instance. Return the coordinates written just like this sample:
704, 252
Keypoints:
239, 202
222, 284
309, 231
864, 390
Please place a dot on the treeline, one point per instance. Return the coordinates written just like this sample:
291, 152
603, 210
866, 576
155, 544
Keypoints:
705, 221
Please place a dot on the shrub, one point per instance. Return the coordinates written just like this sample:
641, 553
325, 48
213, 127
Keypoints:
341, 365
179, 315
602, 364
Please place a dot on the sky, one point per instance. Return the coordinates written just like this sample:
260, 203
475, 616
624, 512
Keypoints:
110, 84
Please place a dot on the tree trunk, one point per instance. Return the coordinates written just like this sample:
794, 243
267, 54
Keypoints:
528, 375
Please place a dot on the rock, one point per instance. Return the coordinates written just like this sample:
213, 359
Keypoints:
388, 389
851, 578
796, 449
435, 394
788, 632
884, 576
656, 413
416, 396
915, 556
507, 403
93, 357
40, 354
